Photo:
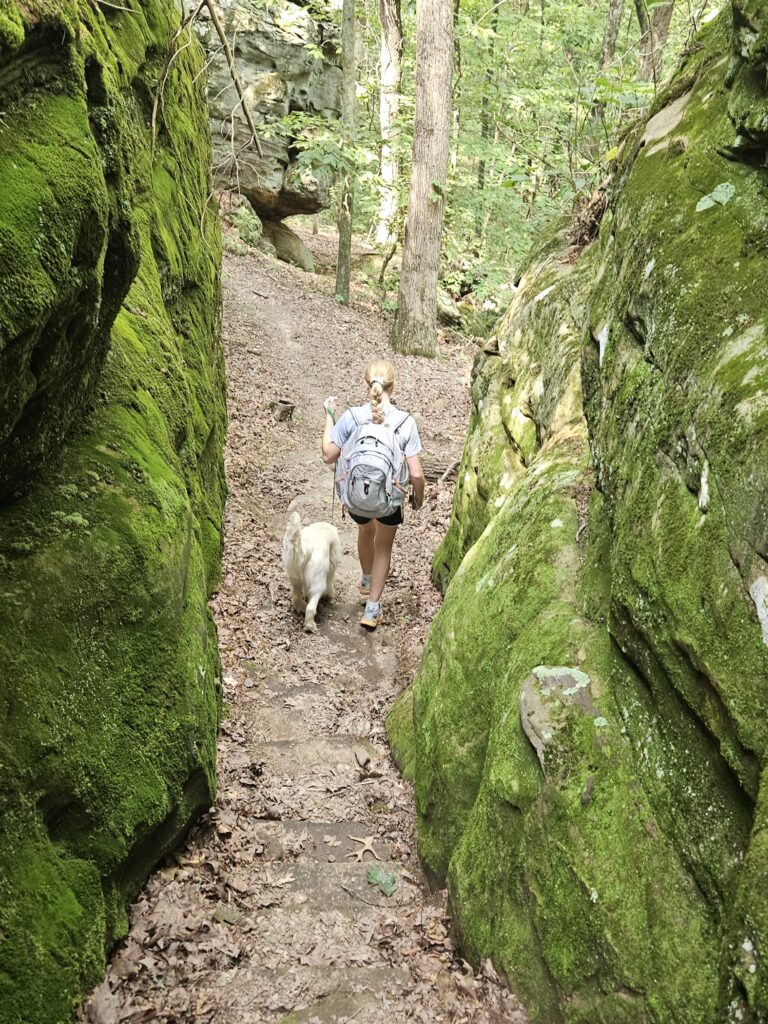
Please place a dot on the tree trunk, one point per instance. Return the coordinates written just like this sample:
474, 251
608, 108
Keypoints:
607, 52
654, 30
485, 117
611, 33
348, 130
415, 324
453, 158
389, 107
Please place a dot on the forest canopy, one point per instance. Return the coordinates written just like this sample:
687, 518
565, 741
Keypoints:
542, 92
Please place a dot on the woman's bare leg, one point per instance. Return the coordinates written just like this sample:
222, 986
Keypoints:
384, 538
366, 533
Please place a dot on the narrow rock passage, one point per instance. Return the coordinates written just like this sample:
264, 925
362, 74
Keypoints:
269, 912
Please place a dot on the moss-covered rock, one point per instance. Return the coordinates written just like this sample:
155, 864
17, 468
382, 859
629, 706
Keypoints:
113, 378
603, 838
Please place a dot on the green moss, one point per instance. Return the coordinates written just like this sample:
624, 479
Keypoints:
400, 732
618, 876
110, 703
11, 26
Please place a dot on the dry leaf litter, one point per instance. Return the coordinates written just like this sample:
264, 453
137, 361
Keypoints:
299, 897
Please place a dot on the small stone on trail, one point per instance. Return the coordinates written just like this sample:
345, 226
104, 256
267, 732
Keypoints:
282, 409
227, 915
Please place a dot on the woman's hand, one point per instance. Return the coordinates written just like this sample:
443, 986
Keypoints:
330, 451
416, 475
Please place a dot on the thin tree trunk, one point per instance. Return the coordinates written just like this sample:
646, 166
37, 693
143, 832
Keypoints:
389, 107
348, 129
607, 52
485, 117
611, 33
654, 30
456, 113
415, 325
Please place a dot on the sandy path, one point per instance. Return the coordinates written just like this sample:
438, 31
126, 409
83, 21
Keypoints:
268, 913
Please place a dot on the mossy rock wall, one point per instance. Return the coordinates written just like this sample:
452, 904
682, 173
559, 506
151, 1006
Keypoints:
113, 419
587, 728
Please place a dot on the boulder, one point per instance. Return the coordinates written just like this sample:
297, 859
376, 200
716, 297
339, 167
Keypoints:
113, 415
287, 245
286, 61
587, 729
447, 311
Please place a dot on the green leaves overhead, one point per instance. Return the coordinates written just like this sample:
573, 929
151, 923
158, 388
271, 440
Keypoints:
535, 127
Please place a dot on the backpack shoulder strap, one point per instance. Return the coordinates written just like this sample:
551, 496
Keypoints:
401, 421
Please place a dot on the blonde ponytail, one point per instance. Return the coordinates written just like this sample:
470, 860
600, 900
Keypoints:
380, 378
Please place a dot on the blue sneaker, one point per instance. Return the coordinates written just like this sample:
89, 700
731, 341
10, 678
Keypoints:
371, 615
364, 586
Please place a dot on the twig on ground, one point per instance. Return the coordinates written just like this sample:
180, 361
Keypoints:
453, 466
357, 896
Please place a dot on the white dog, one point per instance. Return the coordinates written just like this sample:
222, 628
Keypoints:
311, 557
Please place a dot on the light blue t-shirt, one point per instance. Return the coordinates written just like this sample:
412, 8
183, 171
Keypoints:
407, 435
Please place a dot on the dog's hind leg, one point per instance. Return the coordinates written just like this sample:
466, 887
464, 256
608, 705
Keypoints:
334, 562
297, 599
310, 626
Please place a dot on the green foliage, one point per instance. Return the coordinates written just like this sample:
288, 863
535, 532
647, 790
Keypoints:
385, 881
536, 127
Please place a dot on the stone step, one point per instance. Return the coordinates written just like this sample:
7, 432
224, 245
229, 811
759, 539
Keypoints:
340, 885
293, 757
304, 993
325, 842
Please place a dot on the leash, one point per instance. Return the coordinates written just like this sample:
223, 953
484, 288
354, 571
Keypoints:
333, 480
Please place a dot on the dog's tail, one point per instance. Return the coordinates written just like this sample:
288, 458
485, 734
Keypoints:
293, 528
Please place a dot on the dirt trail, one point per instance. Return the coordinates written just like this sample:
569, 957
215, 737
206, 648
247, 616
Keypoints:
268, 913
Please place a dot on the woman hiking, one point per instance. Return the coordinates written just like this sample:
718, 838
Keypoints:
371, 480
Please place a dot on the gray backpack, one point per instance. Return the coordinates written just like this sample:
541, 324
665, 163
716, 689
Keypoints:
373, 472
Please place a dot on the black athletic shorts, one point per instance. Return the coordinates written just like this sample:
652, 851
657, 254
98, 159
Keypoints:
396, 519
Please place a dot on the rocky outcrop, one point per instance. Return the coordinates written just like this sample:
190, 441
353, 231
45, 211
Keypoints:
112, 414
287, 62
587, 730
287, 245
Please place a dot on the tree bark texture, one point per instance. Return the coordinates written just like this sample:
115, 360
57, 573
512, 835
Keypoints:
415, 325
608, 49
485, 115
654, 30
611, 33
453, 156
391, 52
348, 129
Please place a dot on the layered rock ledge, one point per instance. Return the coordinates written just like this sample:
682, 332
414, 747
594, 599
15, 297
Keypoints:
287, 62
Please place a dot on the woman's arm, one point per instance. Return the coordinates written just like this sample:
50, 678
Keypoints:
416, 474
331, 451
